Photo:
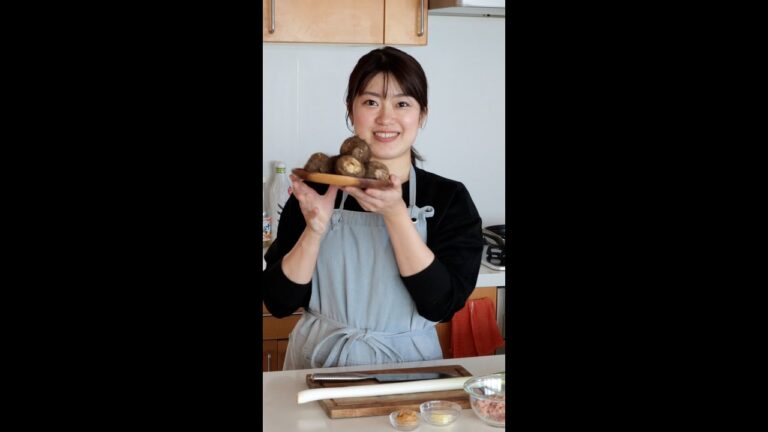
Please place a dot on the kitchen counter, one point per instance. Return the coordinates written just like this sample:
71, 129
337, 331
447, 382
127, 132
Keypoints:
490, 277
486, 278
282, 412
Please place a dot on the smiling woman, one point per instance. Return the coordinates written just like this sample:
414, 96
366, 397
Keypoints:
375, 269
387, 103
388, 120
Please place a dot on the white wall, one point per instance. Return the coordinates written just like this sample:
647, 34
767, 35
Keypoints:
304, 111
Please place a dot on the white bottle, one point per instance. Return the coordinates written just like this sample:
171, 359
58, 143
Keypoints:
266, 220
279, 191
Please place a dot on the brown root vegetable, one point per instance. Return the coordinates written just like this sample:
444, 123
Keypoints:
376, 170
331, 167
356, 147
349, 166
319, 162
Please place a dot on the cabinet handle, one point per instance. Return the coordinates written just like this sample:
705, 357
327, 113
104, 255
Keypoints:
421, 19
272, 16
269, 355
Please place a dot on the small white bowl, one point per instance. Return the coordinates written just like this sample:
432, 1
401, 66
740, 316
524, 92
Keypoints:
440, 413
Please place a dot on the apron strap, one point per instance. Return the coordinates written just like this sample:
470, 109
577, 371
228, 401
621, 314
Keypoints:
344, 337
336, 216
412, 210
412, 188
344, 196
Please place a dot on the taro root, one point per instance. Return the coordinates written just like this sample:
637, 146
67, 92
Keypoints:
376, 170
319, 162
356, 147
350, 166
332, 164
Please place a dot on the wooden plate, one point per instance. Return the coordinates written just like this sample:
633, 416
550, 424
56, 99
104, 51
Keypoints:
339, 180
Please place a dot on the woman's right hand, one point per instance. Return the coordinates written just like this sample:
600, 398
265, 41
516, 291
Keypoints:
317, 209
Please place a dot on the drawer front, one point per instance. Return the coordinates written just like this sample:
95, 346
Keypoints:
278, 328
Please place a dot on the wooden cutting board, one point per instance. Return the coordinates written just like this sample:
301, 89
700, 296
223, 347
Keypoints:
383, 405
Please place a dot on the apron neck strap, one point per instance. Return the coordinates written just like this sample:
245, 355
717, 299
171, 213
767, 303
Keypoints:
411, 190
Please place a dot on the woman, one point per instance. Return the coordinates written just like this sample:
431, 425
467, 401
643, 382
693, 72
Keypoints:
375, 269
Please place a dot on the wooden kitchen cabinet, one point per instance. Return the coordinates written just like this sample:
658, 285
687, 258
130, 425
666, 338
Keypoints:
405, 22
397, 22
444, 336
269, 357
274, 336
282, 348
278, 328
273, 354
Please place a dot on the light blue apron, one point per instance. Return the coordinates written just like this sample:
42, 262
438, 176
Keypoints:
360, 312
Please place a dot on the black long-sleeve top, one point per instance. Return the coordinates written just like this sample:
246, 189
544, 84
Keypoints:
454, 235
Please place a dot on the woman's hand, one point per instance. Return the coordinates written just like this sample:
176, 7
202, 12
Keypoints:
387, 201
411, 253
317, 209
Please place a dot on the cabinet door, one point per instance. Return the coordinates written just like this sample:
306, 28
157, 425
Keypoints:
481, 292
278, 328
444, 336
269, 356
282, 347
323, 21
405, 22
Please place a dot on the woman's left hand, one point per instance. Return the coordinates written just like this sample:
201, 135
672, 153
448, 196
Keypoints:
385, 201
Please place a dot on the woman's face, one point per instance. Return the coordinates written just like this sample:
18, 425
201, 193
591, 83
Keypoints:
389, 124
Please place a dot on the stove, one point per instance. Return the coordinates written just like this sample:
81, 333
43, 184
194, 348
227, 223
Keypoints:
493, 260
494, 253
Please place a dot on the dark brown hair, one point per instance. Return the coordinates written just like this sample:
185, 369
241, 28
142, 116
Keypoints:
397, 64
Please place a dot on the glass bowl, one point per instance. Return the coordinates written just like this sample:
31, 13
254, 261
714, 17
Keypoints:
440, 413
404, 420
486, 395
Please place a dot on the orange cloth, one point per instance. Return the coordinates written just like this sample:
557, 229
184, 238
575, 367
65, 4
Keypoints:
474, 331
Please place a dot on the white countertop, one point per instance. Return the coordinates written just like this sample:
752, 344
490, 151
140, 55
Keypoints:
489, 277
282, 412
486, 278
